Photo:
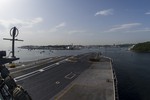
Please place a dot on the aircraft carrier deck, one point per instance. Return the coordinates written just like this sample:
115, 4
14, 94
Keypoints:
88, 76
96, 83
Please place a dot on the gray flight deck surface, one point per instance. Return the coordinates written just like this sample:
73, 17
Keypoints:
95, 83
48, 78
45, 79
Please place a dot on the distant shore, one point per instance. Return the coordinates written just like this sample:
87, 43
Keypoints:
142, 47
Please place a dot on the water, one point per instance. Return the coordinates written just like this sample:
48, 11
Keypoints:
27, 55
132, 69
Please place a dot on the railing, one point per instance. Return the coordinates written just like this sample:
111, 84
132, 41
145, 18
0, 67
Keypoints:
115, 83
116, 86
115, 79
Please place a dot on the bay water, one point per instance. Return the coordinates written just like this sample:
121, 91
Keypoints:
133, 73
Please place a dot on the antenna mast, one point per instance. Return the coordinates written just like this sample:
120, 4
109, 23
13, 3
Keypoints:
13, 33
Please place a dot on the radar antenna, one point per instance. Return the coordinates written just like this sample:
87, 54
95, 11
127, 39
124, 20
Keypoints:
13, 33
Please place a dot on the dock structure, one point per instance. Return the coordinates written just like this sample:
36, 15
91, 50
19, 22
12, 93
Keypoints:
95, 83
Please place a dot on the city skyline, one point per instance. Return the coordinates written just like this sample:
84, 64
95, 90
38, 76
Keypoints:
86, 22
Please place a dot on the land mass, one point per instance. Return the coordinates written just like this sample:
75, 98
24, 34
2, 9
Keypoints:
142, 47
70, 47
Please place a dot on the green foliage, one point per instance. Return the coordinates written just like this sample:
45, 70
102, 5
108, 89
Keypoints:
142, 47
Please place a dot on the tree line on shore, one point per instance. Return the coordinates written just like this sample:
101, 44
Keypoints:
142, 47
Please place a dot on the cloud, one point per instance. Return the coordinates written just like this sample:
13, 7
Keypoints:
105, 12
123, 27
76, 31
147, 13
61, 25
140, 30
57, 27
21, 23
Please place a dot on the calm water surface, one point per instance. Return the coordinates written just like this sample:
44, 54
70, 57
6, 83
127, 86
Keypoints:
133, 73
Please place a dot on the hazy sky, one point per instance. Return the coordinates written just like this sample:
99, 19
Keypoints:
44, 22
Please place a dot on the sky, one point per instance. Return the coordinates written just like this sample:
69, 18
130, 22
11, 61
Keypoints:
83, 22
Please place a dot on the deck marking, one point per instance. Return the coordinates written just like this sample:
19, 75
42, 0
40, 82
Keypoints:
35, 65
22, 77
41, 70
70, 75
57, 82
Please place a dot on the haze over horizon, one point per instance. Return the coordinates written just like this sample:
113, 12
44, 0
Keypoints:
83, 22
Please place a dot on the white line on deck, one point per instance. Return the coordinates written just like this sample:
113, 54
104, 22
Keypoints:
22, 77
41, 70
34, 66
